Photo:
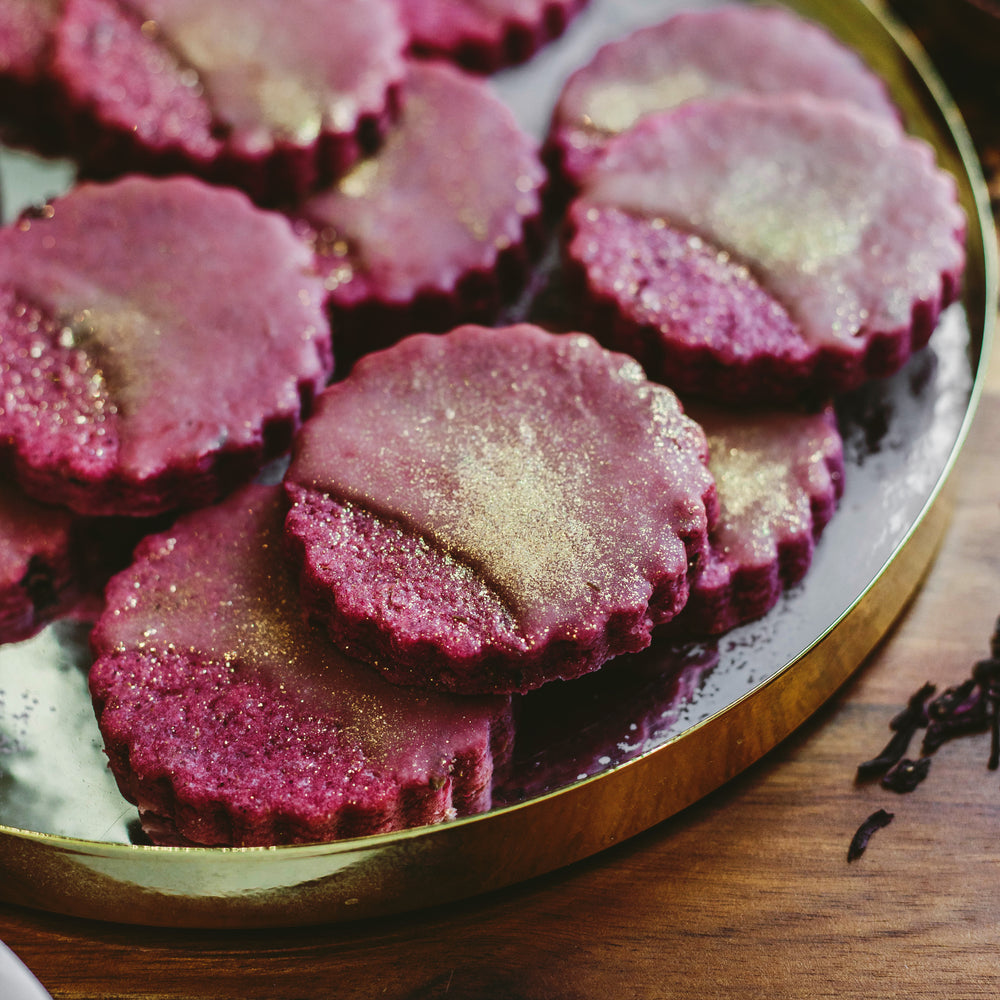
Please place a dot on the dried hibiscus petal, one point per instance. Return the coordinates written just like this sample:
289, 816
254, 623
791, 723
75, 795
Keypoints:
906, 775
859, 842
891, 754
904, 724
915, 713
955, 712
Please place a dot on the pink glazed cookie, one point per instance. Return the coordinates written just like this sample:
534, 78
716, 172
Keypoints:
708, 53
435, 229
779, 476
485, 35
486, 510
161, 339
229, 721
766, 248
272, 98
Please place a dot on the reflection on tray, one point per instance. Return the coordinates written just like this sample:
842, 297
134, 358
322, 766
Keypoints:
571, 730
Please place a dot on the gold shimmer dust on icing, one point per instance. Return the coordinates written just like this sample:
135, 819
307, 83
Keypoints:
746, 480
757, 496
612, 107
122, 343
511, 514
817, 227
245, 86
360, 181
238, 608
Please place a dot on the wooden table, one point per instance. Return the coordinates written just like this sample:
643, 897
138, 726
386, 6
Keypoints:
748, 893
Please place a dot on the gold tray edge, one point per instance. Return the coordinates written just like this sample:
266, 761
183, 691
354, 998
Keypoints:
69, 875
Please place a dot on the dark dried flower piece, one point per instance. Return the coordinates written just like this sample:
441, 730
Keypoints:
954, 702
915, 713
859, 842
891, 754
995, 640
939, 732
994, 762
986, 673
906, 775
904, 724
956, 712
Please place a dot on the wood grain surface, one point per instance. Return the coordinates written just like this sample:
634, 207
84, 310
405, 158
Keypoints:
748, 893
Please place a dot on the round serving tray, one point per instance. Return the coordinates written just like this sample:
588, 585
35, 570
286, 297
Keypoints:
597, 760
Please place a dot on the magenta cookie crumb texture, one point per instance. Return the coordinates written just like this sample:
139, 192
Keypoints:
702, 54
435, 228
458, 508
39, 568
271, 98
485, 35
779, 476
229, 721
139, 374
767, 248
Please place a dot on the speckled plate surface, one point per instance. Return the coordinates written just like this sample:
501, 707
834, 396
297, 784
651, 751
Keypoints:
598, 760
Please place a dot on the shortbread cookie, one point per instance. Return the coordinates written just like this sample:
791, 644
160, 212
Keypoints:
766, 248
485, 35
273, 98
779, 476
161, 339
436, 228
707, 53
39, 568
486, 510
229, 721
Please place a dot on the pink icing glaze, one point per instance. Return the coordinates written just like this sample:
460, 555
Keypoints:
514, 451
215, 593
274, 99
698, 54
126, 312
449, 191
843, 218
291, 70
779, 476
